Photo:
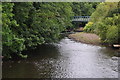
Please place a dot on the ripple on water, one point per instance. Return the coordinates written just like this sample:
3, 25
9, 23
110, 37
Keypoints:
66, 59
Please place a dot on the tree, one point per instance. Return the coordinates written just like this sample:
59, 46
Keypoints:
27, 25
106, 24
10, 41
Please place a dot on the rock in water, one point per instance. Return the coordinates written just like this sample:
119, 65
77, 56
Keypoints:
114, 58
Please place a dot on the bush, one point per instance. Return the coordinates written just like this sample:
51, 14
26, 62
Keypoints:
106, 19
88, 26
112, 35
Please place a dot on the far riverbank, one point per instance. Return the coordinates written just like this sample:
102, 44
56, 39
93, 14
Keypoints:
88, 38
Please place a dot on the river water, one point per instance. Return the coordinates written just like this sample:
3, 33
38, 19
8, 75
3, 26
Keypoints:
65, 59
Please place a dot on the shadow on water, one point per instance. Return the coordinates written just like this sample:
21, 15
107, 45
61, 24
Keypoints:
108, 51
44, 51
39, 63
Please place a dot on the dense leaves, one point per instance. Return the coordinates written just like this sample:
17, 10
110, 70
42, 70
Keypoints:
105, 21
27, 25
83, 9
11, 41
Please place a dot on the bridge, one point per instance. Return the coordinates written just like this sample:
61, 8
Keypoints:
80, 18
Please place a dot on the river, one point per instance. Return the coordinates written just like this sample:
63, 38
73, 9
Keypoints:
65, 59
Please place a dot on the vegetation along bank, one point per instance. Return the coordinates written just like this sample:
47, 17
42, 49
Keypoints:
105, 22
27, 25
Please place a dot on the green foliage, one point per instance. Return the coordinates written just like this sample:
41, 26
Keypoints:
102, 11
113, 29
106, 20
84, 9
29, 24
88, 26
112, 35
11, 42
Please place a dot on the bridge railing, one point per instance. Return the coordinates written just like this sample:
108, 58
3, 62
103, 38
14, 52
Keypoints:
81, 18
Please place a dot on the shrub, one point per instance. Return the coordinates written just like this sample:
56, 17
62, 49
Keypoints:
112, 35
88, 26
106, 19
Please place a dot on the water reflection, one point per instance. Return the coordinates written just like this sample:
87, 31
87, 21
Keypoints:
66, 59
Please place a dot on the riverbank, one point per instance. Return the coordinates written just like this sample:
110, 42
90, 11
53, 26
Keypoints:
88, 38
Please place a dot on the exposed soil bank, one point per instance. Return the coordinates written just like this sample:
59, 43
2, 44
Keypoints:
88, 38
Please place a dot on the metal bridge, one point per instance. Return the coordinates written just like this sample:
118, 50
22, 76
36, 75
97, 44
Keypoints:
80, 18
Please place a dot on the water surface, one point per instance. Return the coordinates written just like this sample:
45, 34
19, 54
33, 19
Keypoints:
66, 59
